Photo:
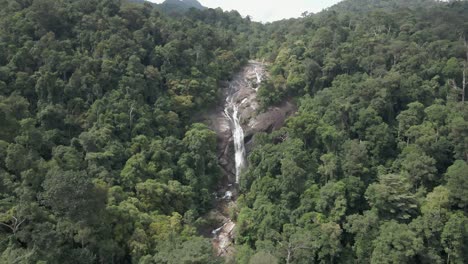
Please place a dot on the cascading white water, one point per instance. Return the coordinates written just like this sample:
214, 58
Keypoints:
239, 147
259, 77
240, 103
232, 113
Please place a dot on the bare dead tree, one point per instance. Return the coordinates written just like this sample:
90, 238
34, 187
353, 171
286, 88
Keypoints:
293, 246
461, 90
465, 66
130, 113
291, 249
14, 225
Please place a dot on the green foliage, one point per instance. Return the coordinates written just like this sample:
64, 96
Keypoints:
396, 243
457, 181
100, 159
454, 238
379, 138
392, 198
195, 250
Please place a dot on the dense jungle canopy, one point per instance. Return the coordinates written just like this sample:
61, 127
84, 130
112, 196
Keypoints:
103, 160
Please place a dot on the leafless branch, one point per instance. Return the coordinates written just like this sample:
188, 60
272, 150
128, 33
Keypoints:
15, 225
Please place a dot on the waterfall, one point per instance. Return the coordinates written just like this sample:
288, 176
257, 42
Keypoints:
259, 77
231, 111
240, 103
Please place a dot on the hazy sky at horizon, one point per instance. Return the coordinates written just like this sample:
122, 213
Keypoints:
268, 11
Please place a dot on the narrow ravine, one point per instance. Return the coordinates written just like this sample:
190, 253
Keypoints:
240, 106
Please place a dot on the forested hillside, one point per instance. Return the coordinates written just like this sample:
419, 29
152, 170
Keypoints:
173, 7
102, 161
180, 6
373, 167
99, 159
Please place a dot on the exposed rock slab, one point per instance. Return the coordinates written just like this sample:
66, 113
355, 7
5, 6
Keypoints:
242, 90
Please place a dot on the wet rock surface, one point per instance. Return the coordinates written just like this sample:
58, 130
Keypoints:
241, 91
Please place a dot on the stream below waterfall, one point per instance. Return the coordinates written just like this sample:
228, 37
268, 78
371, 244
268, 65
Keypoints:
239, 107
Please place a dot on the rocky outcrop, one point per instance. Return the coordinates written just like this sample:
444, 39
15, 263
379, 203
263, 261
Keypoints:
240, 92
220, 124
252, 119
268, 121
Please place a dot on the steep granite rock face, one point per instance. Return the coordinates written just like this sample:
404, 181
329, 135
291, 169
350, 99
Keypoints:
268, 121
246, 83
220, 124
241, 110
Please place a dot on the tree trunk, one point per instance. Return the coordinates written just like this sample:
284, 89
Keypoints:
464, 71
464, 80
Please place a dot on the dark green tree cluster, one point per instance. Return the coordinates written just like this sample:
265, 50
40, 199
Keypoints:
100, 158
373, 166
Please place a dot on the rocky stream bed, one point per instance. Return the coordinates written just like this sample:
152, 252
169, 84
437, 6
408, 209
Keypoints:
235, 122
